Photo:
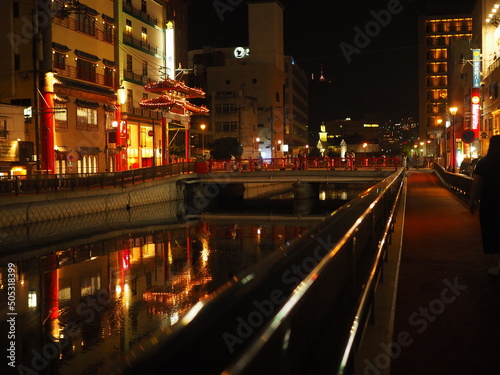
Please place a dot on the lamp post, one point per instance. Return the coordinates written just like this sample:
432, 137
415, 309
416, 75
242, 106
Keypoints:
453, 112
203, 127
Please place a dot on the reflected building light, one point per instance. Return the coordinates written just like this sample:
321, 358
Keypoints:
322, 195
32, 301
174, 318
343, 195
205, 253
118, 289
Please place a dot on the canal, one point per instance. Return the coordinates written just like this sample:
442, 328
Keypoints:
81, 302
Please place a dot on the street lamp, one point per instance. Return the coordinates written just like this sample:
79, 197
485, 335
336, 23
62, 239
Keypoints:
203, 127
453, 112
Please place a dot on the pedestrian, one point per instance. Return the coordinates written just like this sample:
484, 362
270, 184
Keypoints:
486, 191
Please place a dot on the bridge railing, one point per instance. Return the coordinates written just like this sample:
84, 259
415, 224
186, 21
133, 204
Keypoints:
300, 311
303, 163
459, 183
45, 183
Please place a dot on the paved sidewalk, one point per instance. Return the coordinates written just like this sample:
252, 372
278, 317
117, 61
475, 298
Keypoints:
447, 316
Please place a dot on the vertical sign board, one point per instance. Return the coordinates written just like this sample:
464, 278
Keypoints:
475, 94
170, 50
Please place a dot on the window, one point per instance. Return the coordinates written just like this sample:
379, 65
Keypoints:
109, 117
108, 76
86, 70
86, 119
108, 32
59, 60
85, 23
130, 100
145, 68
88, 164
144, 6
128, 27
3, 129
129, 63
226, 126
61, 164
61, 116
144, 35
226, 108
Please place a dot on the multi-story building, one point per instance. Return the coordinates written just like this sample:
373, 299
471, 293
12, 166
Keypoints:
487, 14
438, 65
81, 67
256, 94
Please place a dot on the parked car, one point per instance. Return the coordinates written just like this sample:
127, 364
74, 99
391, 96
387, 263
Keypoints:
468, 165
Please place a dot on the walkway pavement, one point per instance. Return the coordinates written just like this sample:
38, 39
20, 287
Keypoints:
442, 310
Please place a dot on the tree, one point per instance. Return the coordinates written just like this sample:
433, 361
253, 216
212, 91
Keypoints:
223, 148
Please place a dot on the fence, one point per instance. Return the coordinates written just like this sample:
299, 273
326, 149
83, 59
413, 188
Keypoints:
46, 183
303, 163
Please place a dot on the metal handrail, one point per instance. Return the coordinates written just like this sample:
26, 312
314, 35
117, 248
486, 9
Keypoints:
458, 183
279, 316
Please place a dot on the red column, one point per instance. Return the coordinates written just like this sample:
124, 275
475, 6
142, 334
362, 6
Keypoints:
48, 125
118, 156
188, 146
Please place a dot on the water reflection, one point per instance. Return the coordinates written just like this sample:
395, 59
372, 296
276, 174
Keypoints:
79, 306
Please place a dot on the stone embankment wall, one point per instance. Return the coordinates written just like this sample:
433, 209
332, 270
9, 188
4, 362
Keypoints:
29, 209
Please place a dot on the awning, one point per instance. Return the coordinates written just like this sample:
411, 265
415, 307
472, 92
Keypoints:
86, 56
109, 107
108, 19
62, 149
61, 99
109, 63
86, 103
89, 10
60, 47
88, 150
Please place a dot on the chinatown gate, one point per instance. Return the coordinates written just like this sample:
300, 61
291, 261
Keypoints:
176, 111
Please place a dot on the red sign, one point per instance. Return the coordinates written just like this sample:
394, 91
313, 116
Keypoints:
151, 133
475, 110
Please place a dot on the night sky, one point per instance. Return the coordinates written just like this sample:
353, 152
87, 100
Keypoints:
379, 82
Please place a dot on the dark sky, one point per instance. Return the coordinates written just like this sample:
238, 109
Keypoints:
380, 80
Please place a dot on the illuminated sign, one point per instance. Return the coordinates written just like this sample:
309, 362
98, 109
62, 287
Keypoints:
476, 68
170, 50
475, 110
241, 52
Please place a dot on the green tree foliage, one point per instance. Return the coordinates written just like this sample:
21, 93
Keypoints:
223, 148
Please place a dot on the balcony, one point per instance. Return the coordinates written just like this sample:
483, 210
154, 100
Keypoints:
141, 45
137, 13
85, 75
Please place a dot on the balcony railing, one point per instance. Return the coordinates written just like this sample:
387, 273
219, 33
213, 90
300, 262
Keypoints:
95, 32
140, 44
127, 8
85, 75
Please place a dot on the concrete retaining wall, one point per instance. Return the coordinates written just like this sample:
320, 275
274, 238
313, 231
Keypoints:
15, 211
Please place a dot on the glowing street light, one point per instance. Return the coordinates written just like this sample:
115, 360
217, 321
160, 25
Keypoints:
203, 127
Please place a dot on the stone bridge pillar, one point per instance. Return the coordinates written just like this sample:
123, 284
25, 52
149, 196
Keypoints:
306, 196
